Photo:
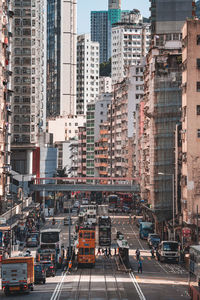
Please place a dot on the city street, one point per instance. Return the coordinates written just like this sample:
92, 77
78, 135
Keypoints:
105, 281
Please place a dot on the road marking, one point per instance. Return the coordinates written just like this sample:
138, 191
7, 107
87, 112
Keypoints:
137, 287
58, 288
137, 237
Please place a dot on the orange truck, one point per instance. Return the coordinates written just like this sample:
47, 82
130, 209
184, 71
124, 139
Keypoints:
17, 274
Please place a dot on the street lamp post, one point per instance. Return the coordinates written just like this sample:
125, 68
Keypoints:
173, 204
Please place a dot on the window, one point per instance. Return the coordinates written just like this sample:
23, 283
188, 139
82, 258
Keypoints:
198, 63
198, 39
198, 110
198, 86
198, 133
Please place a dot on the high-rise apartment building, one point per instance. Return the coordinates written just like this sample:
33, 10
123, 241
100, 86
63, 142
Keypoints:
114, 4
87, 72
105, 84
190, 121
82, 151
61, 57
28, 81
65, 128
101, 27
168, 16
6, 15
130, 42
99, 32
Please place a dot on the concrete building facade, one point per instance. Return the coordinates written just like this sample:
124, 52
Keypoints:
28, 81
61, 57
162, 102
65, 128
6, 16
87, 72
105, 85
130, 42
118, 131
190, 133
168, 17
82, 151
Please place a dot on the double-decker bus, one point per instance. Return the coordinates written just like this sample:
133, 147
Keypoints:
90, 213
104, 231
51, 239
113, 201
126, 200
86, 245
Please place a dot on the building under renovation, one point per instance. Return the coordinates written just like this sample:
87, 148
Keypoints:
162, 103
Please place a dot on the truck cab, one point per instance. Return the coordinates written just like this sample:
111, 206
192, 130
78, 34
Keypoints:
168, 251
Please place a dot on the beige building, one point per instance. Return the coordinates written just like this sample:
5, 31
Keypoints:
5, 104
118, 132
65, 128
190, 181
162, 103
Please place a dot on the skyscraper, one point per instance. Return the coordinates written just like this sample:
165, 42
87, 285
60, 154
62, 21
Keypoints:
28, 81
99, 32
130, 42
61, 57
168, 16
87, 72
101, 27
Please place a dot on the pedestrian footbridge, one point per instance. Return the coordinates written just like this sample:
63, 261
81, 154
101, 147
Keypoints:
85, 184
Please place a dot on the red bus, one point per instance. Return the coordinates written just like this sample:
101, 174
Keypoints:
126, 200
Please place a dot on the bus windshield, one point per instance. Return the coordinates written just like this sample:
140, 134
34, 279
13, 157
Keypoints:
170, 246
49, 237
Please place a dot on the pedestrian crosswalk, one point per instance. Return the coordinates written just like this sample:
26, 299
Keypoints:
123, 222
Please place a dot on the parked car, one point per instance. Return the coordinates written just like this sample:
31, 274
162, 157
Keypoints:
50, 268
40, 273
32, 242
153, 240
66, 221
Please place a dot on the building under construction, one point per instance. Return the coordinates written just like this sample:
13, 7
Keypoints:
162, 104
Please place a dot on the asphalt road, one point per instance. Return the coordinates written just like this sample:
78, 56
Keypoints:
104, 281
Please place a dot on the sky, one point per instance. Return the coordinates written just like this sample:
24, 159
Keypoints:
85, 6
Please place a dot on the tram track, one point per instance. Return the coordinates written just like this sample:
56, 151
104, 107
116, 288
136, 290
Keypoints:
109, 264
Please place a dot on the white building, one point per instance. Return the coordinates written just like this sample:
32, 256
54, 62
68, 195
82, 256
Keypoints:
87, 72
61, 57
105, 84
65, 128
130, 42
68, 57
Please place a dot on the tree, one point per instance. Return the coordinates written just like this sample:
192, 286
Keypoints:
105, 68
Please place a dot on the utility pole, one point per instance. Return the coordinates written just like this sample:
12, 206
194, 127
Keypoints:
197, 225
70, 254
11, 235
23, 196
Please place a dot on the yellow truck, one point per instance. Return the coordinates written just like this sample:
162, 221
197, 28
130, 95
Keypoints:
17, 274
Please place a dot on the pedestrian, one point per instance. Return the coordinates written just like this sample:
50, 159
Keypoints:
109, 252
115, 251
99, 251
70, 265
137, 252
140, 266
152, 253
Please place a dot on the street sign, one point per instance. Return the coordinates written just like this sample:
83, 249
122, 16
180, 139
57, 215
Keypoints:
186, 232
2, 221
